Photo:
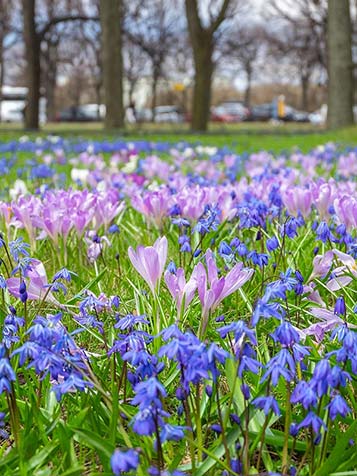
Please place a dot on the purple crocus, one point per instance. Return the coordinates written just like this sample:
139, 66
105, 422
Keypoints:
180, 290
219, 288
36, 284
149, 261
298, 199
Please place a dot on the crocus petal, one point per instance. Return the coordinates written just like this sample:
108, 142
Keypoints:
338, 283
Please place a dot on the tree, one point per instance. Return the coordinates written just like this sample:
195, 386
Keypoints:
6, 30
134, 66
244, 45
112, 62
203, 40
299, 37
33, 68
340, 68
35, 31
152, 26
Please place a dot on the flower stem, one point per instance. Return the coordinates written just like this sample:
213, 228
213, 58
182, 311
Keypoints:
285, 457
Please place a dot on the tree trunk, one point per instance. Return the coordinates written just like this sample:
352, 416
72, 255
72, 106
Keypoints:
202, 87
340, 73
203, 40
110, 18
304, 92
98, 87
155, 79
33, 70
51, 80
1, 72
247, 94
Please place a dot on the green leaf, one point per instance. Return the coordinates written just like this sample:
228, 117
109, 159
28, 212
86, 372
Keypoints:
41, 456
91, 285
339, 454
76, 471
94, 441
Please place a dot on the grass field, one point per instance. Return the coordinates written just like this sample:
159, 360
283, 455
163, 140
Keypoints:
241, 137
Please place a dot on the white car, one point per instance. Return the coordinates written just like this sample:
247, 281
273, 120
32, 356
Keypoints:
13, 110
171, 114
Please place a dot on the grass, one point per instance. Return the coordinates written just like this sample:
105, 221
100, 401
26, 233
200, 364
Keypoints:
244, 137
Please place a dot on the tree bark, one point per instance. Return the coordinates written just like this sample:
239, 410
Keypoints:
340, 71
304, 92
33, 70
247, 94
203, 41
51, 80
1, 72
110, 18
202, 87
155, 78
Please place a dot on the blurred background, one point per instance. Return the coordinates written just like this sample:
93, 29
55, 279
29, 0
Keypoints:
190, 63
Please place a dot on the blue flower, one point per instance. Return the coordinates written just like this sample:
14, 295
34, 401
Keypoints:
260, 259
114, 229
172, 433
172, 268
248, 364
267, 404
305, 394
18, 247
340, 306
74, 381
129, 321
63, 273
338, 406
266, 309
281, 365
148, 393
285, 334
323, 232
314, 421
7, 374
124, 461
144, 423
225, 251
272, 244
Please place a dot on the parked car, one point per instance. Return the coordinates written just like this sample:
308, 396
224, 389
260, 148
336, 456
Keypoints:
84, 113
219, 114
172, 114
97, 111
300, 116
13, 110
143, 115
261, 112
234, 111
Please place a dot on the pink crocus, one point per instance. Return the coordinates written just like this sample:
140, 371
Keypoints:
149, 261
179, 289
321, 265
298, 199
36, 284
219, 288
341, 275
346, 211
324, 194
328, 320
153, 205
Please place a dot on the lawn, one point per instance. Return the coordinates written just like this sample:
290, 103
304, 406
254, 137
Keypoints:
245, 137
